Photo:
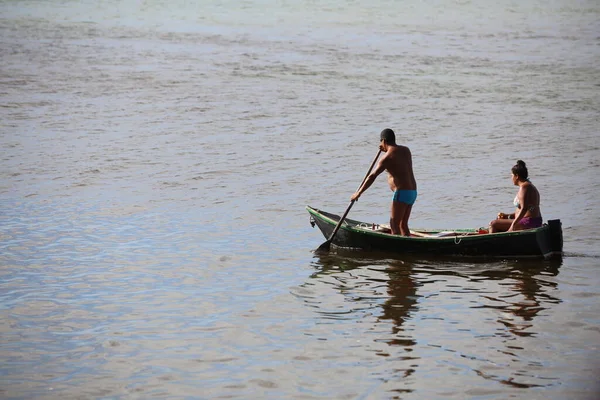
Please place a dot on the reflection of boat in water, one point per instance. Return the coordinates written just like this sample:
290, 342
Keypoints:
440, 307
522, 277
543, 242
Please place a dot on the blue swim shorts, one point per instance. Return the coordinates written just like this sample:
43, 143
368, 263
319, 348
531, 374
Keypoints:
405, 196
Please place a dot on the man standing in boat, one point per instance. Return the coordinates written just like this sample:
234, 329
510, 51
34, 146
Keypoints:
397, 161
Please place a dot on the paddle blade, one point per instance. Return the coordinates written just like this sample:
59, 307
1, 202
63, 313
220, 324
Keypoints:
324, 248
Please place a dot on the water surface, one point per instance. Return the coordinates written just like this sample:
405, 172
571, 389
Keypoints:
157, 158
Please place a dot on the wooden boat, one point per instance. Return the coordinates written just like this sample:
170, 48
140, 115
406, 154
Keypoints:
544, 242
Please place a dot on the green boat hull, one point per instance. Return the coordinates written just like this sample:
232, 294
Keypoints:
544, 242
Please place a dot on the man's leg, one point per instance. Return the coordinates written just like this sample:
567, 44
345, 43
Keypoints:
404, 221
399, 218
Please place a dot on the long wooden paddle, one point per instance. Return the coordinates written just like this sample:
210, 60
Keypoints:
326, 246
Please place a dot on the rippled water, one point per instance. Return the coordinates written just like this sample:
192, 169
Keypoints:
157, 157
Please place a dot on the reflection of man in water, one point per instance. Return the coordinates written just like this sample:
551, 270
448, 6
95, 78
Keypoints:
403, 300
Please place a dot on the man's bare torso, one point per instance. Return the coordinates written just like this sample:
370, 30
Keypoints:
398, 163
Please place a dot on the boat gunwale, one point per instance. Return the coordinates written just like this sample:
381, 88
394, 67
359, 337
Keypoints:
318, 213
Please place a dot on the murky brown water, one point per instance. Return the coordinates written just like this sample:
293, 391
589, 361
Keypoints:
156, 161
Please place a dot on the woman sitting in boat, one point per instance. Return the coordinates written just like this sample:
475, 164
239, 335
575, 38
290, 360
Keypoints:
527, 214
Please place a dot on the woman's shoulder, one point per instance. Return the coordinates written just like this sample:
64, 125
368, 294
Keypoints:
528, 184
529, 187
526, 187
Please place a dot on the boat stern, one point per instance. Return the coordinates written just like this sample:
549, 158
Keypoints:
550, 240
556, 236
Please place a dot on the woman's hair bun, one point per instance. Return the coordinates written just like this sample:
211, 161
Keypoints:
520, 169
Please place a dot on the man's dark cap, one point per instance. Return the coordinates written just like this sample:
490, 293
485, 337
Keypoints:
388, 135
